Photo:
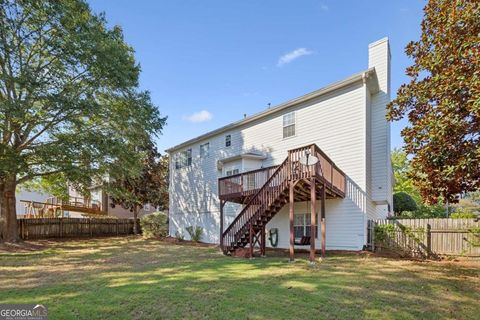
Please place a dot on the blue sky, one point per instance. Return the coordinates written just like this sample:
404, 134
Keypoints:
206, 63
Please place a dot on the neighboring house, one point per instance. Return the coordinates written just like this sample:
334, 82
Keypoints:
23, 195
219, 177
98, 195
100, 202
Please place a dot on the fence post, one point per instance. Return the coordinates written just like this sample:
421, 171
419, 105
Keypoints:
117, 227
61, 227
429, 240
90, 227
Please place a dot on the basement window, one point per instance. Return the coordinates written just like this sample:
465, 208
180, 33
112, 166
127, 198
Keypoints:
289, 125
301, 225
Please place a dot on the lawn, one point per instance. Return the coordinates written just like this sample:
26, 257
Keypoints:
132, 278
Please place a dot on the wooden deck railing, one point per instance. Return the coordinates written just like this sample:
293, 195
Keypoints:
263, 198
244, 184
247, 183
78, 202
266, 187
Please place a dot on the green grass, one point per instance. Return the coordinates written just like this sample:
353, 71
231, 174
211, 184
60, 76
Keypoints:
131, 278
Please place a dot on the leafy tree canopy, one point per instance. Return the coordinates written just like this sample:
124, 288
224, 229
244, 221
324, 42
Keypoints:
442, 101
69, 101
402, 201
150, 185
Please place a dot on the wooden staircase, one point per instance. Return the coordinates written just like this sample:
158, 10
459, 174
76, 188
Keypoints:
248, 228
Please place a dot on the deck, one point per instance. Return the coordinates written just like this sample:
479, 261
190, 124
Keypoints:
264, 192
55, 207
239, 188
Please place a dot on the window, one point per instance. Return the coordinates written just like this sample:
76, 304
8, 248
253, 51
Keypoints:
250, 181
301, 225
183, 159
232, 172
289, 125
228, 140
146, 207
204, 150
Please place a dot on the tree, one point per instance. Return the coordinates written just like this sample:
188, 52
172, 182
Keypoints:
402, 201
442, 101
69, 102
133, 191
402, 172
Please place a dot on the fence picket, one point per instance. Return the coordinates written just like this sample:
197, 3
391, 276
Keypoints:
38, 228
422, 237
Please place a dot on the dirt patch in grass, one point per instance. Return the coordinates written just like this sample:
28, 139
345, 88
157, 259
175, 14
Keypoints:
22, 247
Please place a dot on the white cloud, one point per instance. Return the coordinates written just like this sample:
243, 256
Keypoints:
295, 54
324, 7
200, 116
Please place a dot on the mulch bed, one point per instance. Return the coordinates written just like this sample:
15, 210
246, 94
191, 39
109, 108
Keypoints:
187, 242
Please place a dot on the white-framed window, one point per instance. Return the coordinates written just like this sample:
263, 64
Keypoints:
250, 181
183, 159
204, 150
146, 207
289, 125
232, 172
228, 140
301, 225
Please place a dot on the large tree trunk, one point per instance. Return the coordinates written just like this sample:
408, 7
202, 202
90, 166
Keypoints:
8, 216
135, 219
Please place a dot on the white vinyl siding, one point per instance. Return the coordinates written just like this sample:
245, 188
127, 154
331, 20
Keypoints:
340, 122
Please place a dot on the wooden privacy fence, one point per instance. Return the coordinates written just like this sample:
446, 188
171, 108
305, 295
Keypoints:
39, 228
426, 237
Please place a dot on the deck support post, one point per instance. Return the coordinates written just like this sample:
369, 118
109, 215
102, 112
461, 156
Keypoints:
322, 217
291, 212
250, 236
313, 218
222, 204
263, 239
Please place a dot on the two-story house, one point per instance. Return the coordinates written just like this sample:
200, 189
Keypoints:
248, 184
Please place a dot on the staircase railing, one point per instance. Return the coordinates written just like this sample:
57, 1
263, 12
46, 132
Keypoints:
263, 198
256, 206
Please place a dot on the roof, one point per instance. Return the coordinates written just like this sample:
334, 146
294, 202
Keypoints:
369, 76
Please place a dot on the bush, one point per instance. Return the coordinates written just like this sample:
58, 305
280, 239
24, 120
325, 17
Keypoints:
179, 236
462, 213
154, 225
195, 233
425, 211
402, 201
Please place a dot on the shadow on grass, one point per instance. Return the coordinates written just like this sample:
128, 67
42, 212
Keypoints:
134, 278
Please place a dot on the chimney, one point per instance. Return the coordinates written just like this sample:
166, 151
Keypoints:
379, 58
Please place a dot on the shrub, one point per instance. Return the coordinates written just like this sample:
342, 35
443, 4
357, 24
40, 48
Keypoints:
179, 236
154, 225
195, 233
462, 213
384, 231
402, 201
